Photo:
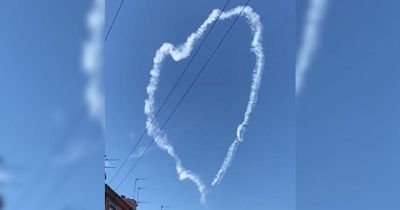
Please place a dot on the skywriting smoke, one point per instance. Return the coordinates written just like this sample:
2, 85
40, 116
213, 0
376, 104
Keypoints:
309, 41
256, 47
183, 51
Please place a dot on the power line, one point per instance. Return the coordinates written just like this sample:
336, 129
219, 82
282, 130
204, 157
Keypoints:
115, 17
187, 91
168, 95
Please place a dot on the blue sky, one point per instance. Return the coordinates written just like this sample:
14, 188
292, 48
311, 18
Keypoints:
44, 125
348, 115
343, 123
262, 174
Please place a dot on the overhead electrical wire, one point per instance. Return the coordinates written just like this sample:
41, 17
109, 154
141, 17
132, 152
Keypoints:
115, 18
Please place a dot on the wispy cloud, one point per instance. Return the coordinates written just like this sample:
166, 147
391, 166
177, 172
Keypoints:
139, 152
92, 62
73, 152
310, 39
183, 51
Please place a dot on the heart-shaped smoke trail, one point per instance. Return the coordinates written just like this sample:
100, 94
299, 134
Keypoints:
183, 51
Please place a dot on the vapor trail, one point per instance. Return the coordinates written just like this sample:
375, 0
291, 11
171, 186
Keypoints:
310, 39
92, 62
183, 51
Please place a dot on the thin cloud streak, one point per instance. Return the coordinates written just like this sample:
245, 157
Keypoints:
183, 51
74, 152
141, 151
309, 43
92, 62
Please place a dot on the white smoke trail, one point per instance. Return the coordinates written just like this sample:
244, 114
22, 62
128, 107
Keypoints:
183, 51
92, 62
310, 39
256, 47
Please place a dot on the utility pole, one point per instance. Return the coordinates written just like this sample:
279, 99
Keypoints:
108, 167
138, 191
134, 189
